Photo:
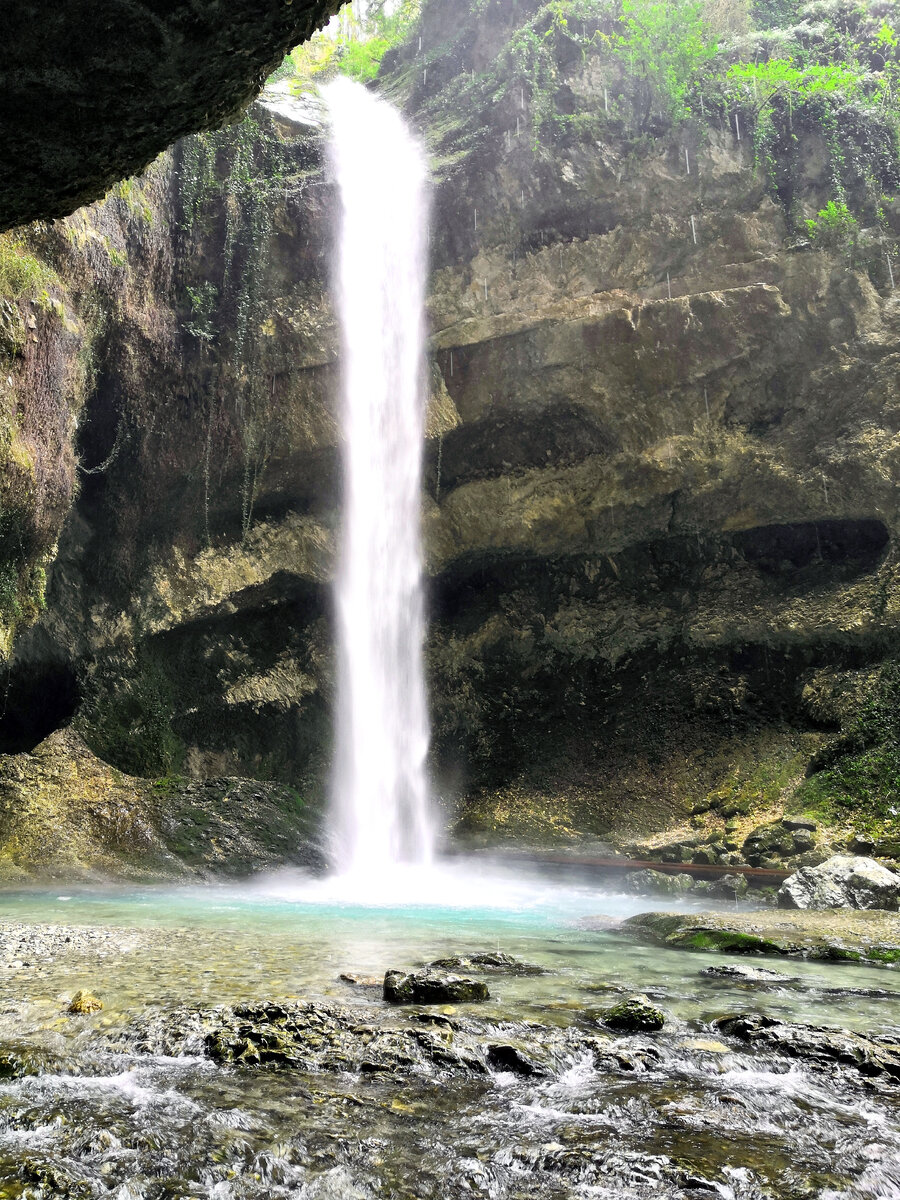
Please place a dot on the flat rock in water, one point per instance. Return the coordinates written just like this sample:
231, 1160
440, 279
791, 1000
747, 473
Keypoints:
842, 882
816, 1044
360, 981
494, 961
746, 974
427, 987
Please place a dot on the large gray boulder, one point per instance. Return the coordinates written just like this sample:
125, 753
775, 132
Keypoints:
842, 882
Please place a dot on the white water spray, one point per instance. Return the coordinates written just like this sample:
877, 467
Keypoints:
380, 807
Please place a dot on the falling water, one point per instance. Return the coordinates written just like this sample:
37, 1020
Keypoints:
380, 814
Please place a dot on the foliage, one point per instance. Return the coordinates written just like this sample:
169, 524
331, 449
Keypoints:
834, 227
666, 44
862, 780
348, 46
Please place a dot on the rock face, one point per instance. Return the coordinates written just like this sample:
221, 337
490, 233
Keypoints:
842, 882
65, 813
660, 502
123, 82
431, 987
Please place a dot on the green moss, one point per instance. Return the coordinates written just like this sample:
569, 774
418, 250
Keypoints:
884, 954
724, 941
22, 275
859, 775
130, 726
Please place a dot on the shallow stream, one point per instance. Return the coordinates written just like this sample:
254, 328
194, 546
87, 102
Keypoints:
683, 1113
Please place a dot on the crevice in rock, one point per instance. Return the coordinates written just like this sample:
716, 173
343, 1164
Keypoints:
844, 547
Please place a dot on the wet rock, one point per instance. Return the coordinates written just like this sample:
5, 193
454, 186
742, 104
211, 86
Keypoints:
361, 981
650, 882
842, 882
745, 974
84, 1002
635, 1014
490, 960
425, 987
728, 887
300, 1036
502, 1057
816, 1044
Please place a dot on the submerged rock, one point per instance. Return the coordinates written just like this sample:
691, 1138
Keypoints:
360, 981
635, 1014
817, 1044
84, 1002
745, 974
842, 882
492, 960
425, 987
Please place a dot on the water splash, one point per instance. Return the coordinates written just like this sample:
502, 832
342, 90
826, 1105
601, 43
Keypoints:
380, 808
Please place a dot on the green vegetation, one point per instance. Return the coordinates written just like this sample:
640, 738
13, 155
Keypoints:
666, 45
130, 725
834, 226
859, 779
22, 275
348, 47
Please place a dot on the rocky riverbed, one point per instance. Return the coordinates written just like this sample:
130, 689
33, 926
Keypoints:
245, 1050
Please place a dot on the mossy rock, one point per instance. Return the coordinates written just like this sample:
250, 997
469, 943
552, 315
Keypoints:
635, 1014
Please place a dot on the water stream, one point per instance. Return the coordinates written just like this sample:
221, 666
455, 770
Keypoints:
380, 805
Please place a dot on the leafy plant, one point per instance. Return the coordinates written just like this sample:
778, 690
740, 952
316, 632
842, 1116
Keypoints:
666, 44
834, 227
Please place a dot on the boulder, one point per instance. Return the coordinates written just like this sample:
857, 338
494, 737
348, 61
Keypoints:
650, 882
728, 887
634, 1014
842, 882
502, 1057
427, 987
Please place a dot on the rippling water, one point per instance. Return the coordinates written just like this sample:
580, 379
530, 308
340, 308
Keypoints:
679, 1114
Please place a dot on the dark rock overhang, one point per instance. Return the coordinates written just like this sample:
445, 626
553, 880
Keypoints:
92, 90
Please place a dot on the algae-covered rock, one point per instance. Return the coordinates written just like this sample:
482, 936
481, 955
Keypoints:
635, 1014
84, 1002
426, 987
842, 882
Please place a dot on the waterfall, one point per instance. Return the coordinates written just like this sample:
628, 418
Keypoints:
380, 803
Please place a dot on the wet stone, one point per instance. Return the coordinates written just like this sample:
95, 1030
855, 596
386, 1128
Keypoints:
509, 1058
818, 1045
745, 974
84, 1002
490, 961
635, 1014
426, 987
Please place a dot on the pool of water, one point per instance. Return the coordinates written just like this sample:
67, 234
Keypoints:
676, 1115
